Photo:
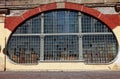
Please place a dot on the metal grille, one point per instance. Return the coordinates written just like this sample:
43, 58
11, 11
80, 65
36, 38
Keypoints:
63, 47
99, 48
24, 49
61, 22
91, 25
62, 35
31, 26
24, 45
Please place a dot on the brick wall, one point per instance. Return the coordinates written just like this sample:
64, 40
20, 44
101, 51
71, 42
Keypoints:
13, 21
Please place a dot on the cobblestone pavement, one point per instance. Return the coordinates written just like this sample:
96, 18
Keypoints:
61, 75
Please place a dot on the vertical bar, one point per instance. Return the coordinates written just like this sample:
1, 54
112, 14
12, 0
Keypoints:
68, 30
67, 19
80, 48
42, 38
42, 23
80, 38
66, 22
42, 48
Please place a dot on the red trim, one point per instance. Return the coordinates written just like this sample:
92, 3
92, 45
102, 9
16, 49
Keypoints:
13, 22
111, 20
82, 8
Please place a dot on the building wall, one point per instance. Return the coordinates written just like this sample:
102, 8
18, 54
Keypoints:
14, 19
117, 60
4, 34
27, 2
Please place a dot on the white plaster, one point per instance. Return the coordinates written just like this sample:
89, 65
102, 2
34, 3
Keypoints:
16, 12
4, 33
117, 33
106, 10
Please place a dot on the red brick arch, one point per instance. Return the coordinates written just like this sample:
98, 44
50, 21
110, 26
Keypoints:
13, 22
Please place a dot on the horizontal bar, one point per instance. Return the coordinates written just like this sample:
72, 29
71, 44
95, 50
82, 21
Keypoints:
49, 34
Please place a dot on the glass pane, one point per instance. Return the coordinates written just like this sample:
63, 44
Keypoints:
98, 43
99, 48
23, 47
90, 24
33, 25
61, 48
61, 22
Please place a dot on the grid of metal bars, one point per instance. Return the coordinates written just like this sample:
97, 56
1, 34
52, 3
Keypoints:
99, 48
92, 25
31, 26
24, 49
63, 35
61, 47
61, 22
24, 45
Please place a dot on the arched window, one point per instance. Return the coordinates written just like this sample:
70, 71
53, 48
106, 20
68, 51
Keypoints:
62, 35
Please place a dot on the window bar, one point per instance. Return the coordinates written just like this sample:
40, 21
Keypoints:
42, 23
67, 21
55, 22
54, 31
68, 36
96, 44
42, 38
80, 38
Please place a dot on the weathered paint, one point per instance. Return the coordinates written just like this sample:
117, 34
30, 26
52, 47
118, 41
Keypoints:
13, 22
4, 34
117, 59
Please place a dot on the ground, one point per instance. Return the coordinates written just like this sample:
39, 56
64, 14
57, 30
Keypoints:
61, 75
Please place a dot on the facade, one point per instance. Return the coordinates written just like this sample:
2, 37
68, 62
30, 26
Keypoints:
62, 35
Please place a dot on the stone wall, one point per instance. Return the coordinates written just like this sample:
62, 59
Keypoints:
20, 3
